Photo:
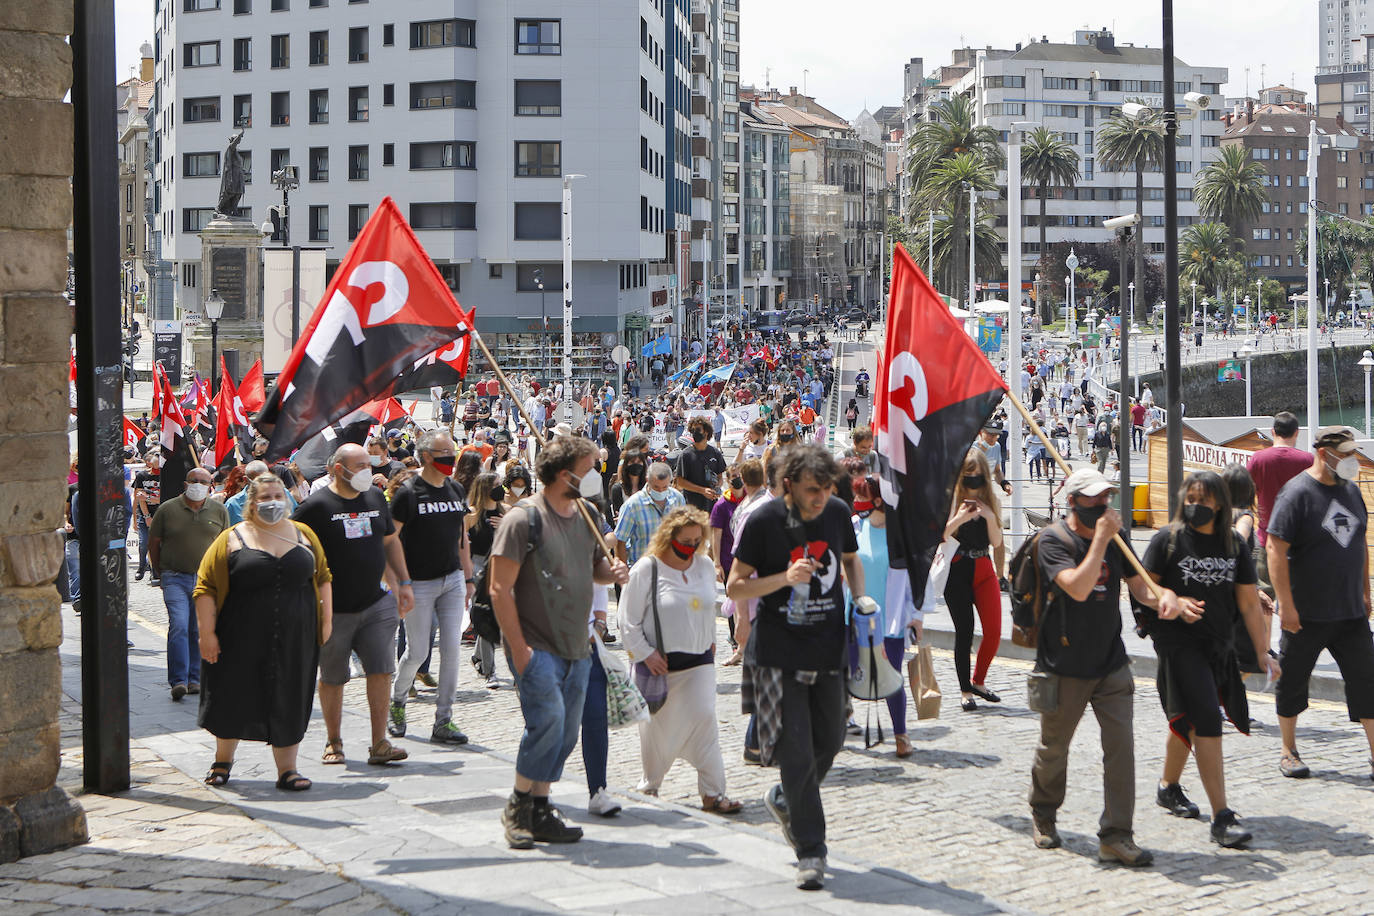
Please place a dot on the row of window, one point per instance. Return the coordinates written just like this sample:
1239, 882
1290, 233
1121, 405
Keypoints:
1058, 110
1010, 81
534, 221
538, 158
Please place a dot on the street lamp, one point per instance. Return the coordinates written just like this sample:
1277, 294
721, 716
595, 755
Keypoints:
544, 315
1071, 262
214, 309
1366, 363
1326, 300
1246, 300
1247, 351
567, 294
1194, 285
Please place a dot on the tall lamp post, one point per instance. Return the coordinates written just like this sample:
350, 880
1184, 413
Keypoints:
214, 310
1194, 285
1071, 262
544, 326
1326, 300
1247, 351
1018, 518
1367, 363
1259, 296
1246, 300
567, 296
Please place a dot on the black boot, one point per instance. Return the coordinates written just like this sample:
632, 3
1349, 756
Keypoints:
1227, 831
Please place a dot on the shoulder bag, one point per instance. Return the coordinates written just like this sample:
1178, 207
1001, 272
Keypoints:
654, 687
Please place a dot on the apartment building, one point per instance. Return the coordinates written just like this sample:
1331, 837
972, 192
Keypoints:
767, 220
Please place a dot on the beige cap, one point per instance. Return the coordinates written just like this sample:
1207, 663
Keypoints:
1087, 482
1336, 438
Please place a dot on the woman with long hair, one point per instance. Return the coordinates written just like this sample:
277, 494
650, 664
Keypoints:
976, 523
1199, 555
469, 465
1241, 487
484, 515
668, 622
631, 474
783, 435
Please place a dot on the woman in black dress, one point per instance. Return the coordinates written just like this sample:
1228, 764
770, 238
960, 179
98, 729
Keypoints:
483, 518
264, 605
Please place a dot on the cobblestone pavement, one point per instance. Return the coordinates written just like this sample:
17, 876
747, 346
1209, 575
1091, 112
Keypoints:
954, 814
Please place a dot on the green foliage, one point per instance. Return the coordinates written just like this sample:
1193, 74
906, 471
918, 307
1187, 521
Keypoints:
1204, 253
1231, 189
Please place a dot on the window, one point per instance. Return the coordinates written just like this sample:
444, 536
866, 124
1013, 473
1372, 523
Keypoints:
199, 165
1061, 111
194, 219
538, 221
201, 54
281, 6
281, 51
730, 30
357, 103
243, 111
388, 35
319, 106
319, 48
357, 45
1342, 182
319, 224
357, 163
1004, 82
730, 90
536, 158
1000, 109
540, 98
1259, 152
281, 158
1060, 82
450, 273
319, 163
1088, 169
357, 218
204, 108
538, 36
443, 33
443, 154
729, 60
316, 4
388, 154
443, 215
389, 94
444, 94
242, 7
281, 109
243, 54
494, 271
530, 277
1210, 114
1210, 140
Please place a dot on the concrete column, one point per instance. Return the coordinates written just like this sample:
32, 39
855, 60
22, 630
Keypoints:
35, 324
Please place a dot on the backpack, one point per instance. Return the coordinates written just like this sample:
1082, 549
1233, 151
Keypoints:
482, 615
1030, 594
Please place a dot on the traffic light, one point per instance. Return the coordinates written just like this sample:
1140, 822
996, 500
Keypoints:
815, 298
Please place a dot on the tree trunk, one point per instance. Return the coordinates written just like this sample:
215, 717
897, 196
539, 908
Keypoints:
1140, 234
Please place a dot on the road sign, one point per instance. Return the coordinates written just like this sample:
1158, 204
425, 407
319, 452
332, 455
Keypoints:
672, 281
620, 355
989, 336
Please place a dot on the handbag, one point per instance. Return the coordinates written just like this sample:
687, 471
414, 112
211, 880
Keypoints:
625, 705
1042, 692
921, 672
654, 687
939, 573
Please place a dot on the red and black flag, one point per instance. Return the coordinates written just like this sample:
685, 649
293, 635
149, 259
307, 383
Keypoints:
177, 458
231, 419
250, 389
133, 436
935, 389
386, 307
355, 428
446, 365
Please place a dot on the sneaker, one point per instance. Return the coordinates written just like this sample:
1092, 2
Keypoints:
854, 728
1044, 832
547, 826
1227, 831
178, 691
1172, 799
516, 821
752, 757
811, 873
424, 677
493, 683
1291, 765
396, 724
446, 732
384, 752
192, 689
776, 804
603, 805
1125, 851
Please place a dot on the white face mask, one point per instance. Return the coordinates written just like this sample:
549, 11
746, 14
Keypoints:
269, 513
195, 492
376, 460
1348, 468
590, 485
361, 479
658, 496
517, 489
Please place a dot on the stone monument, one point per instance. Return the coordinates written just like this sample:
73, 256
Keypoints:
231, 262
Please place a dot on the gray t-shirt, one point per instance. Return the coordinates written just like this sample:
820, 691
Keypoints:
553, 616
1324, 527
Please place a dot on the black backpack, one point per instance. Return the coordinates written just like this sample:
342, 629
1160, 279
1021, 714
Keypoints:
483, 615
1030, 593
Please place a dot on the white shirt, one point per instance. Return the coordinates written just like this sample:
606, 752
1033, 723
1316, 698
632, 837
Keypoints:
686, 608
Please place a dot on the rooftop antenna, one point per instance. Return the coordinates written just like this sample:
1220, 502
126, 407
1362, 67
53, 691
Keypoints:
767, 81
1247, 82
804, 72
1261, 76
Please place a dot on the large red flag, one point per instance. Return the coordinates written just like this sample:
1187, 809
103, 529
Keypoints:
446, 365
132, 434
935, 389
250, 389
231, 418
386, 307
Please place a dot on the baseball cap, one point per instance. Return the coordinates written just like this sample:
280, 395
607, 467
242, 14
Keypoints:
1087, 482
562, 429
1337, 438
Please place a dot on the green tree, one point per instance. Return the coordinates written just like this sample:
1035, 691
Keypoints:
951, 246
952, 131
1231, 190
947, 188
1204, 256
1138, 143
1047, 161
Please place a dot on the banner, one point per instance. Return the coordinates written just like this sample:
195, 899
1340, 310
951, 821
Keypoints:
1229, 370
276, 300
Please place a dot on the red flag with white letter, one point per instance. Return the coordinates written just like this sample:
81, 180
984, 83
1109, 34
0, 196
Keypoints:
934, 390
231, 418
386, 307
446, 365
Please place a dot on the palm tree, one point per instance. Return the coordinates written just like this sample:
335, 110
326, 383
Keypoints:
1231, 189
947, 188
1046, 160
951, 246
1137, 143
951, 131
1205, 255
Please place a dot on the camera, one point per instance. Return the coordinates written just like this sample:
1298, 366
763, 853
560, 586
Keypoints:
1121, 222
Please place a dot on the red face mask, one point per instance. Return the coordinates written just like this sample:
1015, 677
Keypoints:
444, 465
683, 551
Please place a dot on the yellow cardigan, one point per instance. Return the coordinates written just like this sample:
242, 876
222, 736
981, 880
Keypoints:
213, 577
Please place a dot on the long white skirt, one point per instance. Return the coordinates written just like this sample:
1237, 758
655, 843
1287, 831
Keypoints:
684, 729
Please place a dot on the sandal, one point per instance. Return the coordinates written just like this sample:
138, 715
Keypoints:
384, 752
291, 781
219, 773
903, 745
719, 804
333, 751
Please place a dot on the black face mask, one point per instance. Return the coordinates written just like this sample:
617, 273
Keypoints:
1089, 515
634, 470
974, 481
698, 437
737, 483
1196, 515
785, 437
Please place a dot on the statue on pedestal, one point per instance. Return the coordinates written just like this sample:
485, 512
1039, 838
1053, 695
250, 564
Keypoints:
231, 179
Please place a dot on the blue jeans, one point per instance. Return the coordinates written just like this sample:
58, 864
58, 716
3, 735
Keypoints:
143, 539
73, 550
183, 633
552, 693
595, 736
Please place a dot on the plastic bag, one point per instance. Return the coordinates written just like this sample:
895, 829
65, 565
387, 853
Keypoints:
624, 703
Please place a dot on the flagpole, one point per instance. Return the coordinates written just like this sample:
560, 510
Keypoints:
534, 433
1063, 466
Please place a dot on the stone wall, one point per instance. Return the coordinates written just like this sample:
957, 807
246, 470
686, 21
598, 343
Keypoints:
35, 325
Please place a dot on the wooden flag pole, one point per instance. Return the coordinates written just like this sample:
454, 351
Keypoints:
534, 433
1063, 466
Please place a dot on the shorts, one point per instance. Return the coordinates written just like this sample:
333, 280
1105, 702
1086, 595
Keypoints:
1188, 690
1350, 644
1262, 570
552, 692
371, 633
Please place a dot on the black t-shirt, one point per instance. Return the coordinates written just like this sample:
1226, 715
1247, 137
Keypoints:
1200, 567
972, 535
351, 531
703, 468
1081, 638
481, 536
805, 634
1325, 530
149, 483
432, 522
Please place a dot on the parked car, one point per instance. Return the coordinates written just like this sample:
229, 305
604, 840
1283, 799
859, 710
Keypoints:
798, 318
855, 316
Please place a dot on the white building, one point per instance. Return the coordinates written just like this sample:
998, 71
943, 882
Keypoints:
1341, 29
1073, 89
767, 209
468, 113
